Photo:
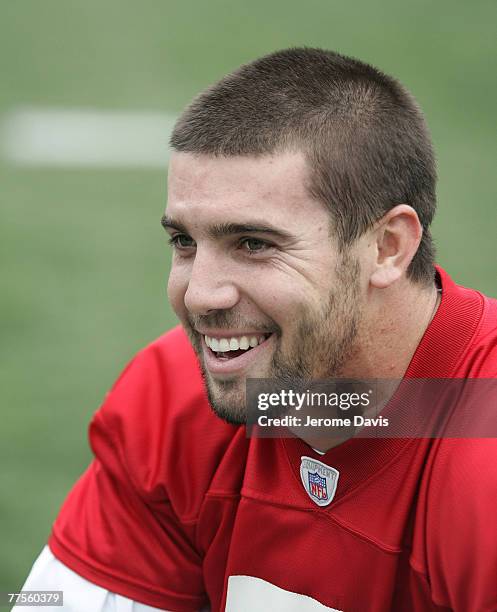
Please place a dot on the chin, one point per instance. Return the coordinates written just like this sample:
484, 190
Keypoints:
227, 399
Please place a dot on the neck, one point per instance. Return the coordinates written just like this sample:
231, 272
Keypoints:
392, 330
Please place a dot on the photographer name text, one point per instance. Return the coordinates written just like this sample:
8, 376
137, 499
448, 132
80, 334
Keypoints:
294, 421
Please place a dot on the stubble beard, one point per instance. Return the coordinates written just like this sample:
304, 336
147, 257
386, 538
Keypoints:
322, 344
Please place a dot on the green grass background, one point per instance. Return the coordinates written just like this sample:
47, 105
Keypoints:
83, 260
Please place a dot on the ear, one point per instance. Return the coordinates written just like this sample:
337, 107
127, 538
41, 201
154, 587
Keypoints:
397, 236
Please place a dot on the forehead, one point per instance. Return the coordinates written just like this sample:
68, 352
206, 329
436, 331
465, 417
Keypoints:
233, 189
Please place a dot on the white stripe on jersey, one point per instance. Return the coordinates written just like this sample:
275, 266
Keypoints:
249, 594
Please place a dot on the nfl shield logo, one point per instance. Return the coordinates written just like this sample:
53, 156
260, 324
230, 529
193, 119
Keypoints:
317, 486
319, 480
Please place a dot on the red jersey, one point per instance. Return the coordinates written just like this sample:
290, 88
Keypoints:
180, 510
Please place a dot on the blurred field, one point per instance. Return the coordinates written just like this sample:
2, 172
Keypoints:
83, 260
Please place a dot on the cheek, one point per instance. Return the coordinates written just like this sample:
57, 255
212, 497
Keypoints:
284, 306
177, 285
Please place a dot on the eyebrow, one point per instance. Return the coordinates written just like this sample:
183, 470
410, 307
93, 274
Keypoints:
220, 230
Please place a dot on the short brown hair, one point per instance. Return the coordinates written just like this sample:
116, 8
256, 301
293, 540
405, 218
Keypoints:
364, 136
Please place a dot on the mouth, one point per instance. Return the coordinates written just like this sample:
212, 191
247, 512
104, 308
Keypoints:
232, 347
231, 354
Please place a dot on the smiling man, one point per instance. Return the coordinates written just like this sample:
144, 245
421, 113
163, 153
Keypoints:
301, 191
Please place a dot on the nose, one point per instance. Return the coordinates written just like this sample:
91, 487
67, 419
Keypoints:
211, 285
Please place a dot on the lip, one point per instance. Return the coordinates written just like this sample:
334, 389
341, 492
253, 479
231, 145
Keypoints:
228, 333
236, 365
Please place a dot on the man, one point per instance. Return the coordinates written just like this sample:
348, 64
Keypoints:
301, 191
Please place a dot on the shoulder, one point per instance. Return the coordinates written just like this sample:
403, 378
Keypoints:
463, 471
460, 533
470, 321
482, 353
157, 422
159, 385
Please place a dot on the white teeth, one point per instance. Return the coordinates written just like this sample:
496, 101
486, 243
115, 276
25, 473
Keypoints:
224, 345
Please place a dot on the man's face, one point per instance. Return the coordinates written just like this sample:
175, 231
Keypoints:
256, 279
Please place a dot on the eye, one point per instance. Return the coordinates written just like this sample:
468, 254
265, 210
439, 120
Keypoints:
182, 241
254, 245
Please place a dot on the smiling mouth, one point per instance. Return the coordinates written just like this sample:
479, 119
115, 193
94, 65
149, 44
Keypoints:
225, 349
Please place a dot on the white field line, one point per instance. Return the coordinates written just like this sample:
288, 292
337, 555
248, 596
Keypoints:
85, 138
